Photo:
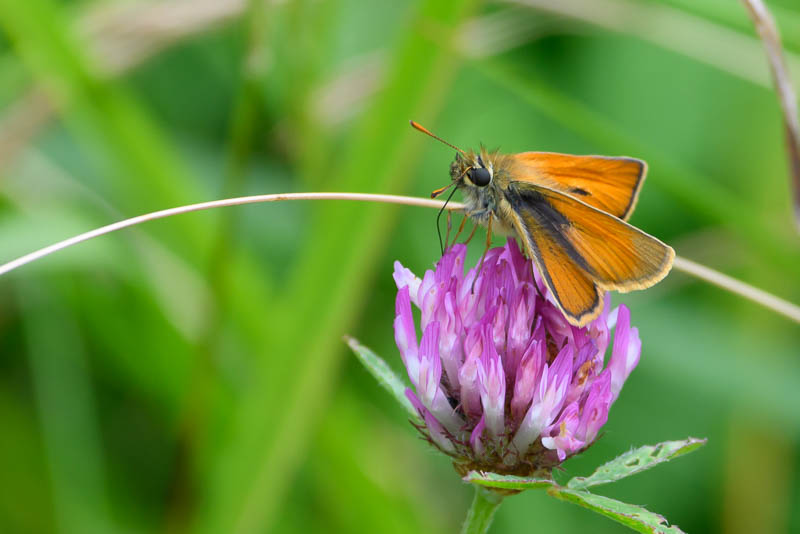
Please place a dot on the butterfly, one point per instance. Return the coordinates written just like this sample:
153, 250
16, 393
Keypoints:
570, 214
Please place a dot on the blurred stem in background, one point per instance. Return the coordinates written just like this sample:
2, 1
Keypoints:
756, 499
67, 411
781, 77
117, 53
104, 116
326, 285
245, 116
766, 480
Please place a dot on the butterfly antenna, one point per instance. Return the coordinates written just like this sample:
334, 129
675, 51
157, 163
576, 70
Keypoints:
439, 216
428, 132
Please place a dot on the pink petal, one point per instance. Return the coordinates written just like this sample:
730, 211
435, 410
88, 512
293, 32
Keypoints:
405, 334
626, 351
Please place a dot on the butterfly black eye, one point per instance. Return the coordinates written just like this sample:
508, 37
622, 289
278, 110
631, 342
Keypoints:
480, 176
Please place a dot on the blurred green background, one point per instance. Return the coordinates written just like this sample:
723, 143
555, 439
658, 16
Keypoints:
188, 375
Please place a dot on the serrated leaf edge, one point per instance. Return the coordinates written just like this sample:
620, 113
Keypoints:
383, 373
574, 496
690, 444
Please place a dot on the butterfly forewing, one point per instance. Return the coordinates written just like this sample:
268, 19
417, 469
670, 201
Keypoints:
614, 254
607, 183
579, 299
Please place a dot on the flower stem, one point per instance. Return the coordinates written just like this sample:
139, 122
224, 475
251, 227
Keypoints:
481, 512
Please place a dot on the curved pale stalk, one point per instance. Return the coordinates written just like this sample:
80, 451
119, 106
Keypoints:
767, 29
769, 301
237, 201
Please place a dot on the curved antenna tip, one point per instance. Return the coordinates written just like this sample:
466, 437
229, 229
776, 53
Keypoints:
424, 130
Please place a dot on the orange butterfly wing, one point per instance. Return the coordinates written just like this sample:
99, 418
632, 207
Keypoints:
576, 295
582, 251
609, 184
613, 253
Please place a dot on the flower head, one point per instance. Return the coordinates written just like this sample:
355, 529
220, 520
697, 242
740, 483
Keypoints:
502, 382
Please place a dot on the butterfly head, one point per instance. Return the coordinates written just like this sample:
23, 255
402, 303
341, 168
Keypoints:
472, 170
468, 169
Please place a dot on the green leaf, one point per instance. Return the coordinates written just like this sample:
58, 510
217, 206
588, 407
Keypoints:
630, 515
493, 480
635, 461
383, 374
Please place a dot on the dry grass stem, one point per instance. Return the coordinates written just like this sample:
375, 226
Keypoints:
238, 201
702, 272
781, 76
767, 300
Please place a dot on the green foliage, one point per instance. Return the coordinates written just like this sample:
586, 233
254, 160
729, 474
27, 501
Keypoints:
574, 491
381, 371
635, 461
188, 375
630, 515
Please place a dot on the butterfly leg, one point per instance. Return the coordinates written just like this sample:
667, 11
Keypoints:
488, 246
460, 228
472, 233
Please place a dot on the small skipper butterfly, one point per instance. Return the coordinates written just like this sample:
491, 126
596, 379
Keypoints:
570, 213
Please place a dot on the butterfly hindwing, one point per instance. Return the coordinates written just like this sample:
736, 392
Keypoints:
610, 184
611, 252
576, 295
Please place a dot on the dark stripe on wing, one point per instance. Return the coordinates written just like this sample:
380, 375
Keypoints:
532, 204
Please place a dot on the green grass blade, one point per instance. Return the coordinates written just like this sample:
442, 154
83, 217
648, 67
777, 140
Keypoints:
66, 408
329, 280
123, 143
387, 378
